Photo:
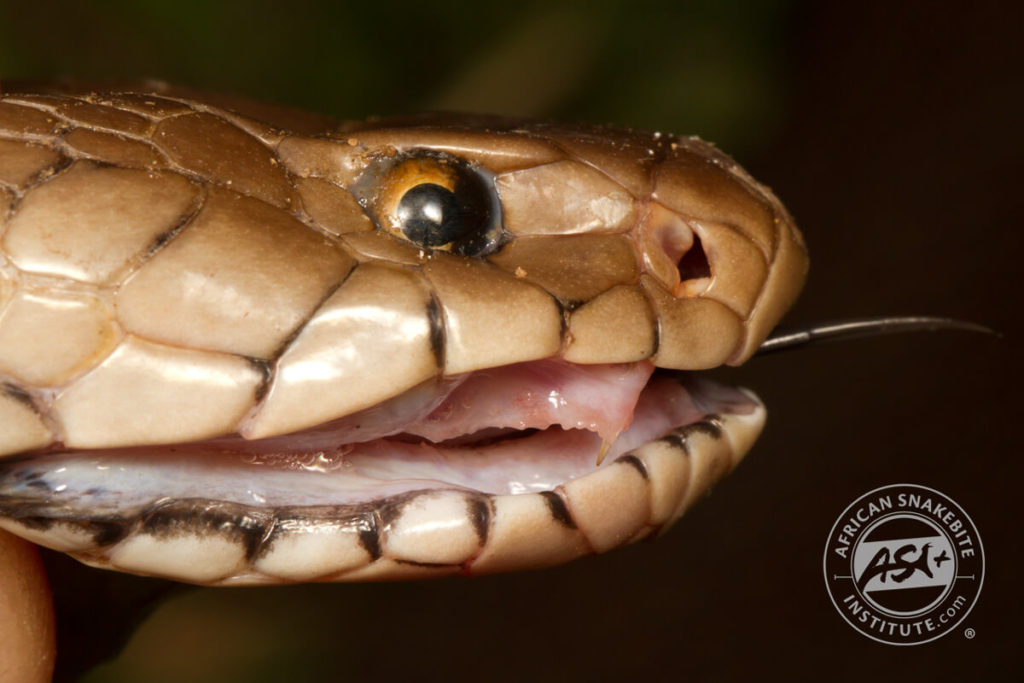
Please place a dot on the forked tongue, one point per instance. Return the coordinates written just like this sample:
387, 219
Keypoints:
793, 337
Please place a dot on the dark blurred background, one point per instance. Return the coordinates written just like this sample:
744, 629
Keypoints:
893, 133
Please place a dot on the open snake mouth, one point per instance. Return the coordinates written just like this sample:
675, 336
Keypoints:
461, 314
512, 467
174, 270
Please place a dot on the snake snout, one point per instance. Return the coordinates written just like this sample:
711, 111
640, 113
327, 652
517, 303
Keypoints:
714, 234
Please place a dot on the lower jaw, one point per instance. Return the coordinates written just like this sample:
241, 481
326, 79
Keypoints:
263, 519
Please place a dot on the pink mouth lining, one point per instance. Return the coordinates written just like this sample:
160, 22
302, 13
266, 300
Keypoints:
517, 429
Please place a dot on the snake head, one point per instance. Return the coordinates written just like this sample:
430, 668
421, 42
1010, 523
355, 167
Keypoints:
245, 346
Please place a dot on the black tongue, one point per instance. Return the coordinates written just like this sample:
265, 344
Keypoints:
787, 338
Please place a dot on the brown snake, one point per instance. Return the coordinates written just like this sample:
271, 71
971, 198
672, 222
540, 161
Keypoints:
244, 345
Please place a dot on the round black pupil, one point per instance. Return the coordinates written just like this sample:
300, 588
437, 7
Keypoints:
431, 215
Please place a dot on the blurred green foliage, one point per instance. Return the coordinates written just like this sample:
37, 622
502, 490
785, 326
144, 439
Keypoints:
705, 67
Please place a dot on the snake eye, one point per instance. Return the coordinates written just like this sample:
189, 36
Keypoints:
430, 215
436, 202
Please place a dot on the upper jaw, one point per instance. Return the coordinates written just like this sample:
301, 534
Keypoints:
403, 509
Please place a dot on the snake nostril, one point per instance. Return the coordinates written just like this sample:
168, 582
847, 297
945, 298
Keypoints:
694, 271
693, 265
674, 253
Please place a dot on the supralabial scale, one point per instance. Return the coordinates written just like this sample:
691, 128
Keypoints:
240, 344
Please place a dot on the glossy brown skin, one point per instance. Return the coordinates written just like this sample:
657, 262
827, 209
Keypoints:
172, 139
27, 628
239, 246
